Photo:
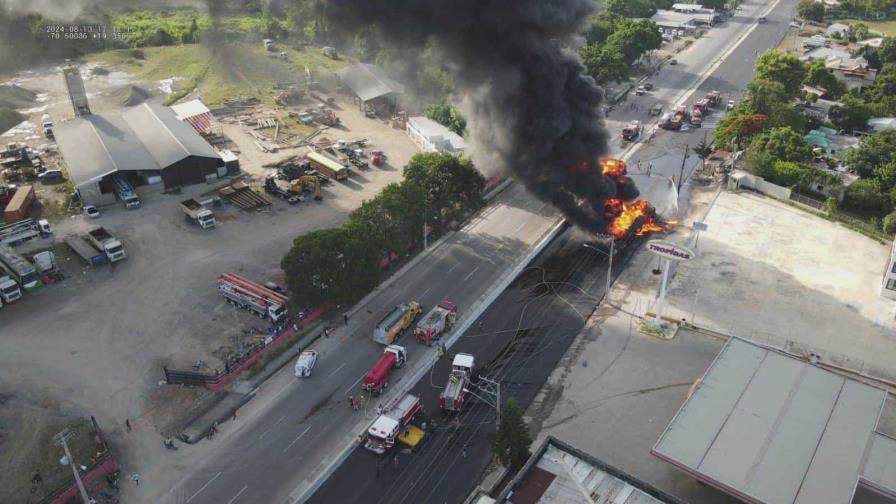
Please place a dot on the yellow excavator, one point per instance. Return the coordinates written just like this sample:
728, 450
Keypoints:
300, 185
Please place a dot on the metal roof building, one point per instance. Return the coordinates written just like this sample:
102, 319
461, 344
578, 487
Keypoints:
146, 144
558, 473
769, 428
431, 136
369, 82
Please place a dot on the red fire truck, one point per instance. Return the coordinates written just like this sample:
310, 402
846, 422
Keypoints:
437, 322
377, 379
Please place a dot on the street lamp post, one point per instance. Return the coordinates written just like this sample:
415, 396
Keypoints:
612, 240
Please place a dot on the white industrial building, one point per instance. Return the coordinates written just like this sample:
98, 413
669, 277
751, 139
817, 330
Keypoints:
431, 136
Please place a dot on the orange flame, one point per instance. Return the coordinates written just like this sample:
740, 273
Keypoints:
614, 168
639, 211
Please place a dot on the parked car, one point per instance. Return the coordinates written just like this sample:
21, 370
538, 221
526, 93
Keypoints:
305, 363
648, 86
673, 61
91, 211
761, 20
640, 90
730, 104
51, 176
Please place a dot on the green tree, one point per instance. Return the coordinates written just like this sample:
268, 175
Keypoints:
852, 115
865, 195
818, 75
872, 151
783, 144
604, 63
601, 27
889, 223
857, 32
735, 129
512, 441
786, 69
703, 150
447, 115
886, 176
449, 182
634, 38
330, 266
811, 10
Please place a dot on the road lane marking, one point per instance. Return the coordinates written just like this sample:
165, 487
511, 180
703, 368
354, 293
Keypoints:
424, 293
263, 434
204, 486
471, 273
238, 494
297, 438
521, 226
280, 420
336, 370
349, 389
452, 268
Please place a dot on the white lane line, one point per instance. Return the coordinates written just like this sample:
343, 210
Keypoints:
452, 268
349, 389
231, 501
471, 273
297, 438
263, 434
521, 226
336, 370
204, 486
424, 293
280, 420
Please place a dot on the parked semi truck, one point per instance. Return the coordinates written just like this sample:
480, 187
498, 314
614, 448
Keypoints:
395, 424
85, 251
400, 318
24, 230
9, 289
106, 243
196, 212
452, 397
377, 379
252, 296
125, 192
436, 323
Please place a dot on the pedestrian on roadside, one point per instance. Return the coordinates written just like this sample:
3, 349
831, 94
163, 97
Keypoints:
135, 478
463, 452
345, 318
233, 414
326, 332
127, 424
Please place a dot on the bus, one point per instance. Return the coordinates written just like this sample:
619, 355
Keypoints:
22, 271
328, 165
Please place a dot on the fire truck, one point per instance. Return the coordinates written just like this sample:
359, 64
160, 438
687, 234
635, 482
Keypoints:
631, 131
696, 117
377, 379
395, 423
252, 296
452, 397
396, 321
713, 98
437, 322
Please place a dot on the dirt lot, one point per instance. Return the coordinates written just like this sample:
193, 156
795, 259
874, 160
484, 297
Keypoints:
95, 343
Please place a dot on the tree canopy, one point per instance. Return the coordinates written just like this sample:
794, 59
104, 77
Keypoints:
783, 144
811, 10
785, 69
447, 115
512, 441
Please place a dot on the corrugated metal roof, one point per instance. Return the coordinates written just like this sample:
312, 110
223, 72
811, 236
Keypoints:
145, 137
880, 466
190, 109
773, 428
368, 81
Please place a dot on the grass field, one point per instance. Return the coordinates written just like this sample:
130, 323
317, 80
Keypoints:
887, 28
239, 69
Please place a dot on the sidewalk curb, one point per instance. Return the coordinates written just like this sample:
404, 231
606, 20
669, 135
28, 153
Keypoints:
405, 383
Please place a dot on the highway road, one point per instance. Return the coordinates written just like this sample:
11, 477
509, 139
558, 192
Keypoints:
292, 430
523, 334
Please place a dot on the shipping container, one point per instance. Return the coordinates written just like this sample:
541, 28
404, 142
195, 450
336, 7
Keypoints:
19, 207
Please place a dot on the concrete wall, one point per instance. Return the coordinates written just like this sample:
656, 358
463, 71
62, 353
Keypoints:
92, 195
743, 180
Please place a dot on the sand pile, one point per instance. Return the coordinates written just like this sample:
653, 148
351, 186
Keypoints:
15, 97
130, 95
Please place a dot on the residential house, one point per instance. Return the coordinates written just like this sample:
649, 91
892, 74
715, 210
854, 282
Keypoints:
878, 124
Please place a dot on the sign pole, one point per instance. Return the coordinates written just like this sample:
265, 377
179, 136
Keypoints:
661, 304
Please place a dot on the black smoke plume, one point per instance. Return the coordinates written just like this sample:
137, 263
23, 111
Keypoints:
531, 109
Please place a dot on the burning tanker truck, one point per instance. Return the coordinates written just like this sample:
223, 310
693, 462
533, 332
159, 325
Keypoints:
625, 218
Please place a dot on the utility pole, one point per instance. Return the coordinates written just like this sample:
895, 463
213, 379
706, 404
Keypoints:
59, 439
612, 240
492, 392
681, 173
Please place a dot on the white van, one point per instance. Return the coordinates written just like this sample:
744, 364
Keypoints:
305, 363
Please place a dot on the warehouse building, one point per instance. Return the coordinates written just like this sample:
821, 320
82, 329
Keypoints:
146, 144
431, 136
768, 428
372, 87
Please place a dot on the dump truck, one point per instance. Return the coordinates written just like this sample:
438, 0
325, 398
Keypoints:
631, 131
377, 379
103, 241
196, 212
89, 254
396, 321
437, 322
452, 396
125, 192
24, 230
252, 296
395, 423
